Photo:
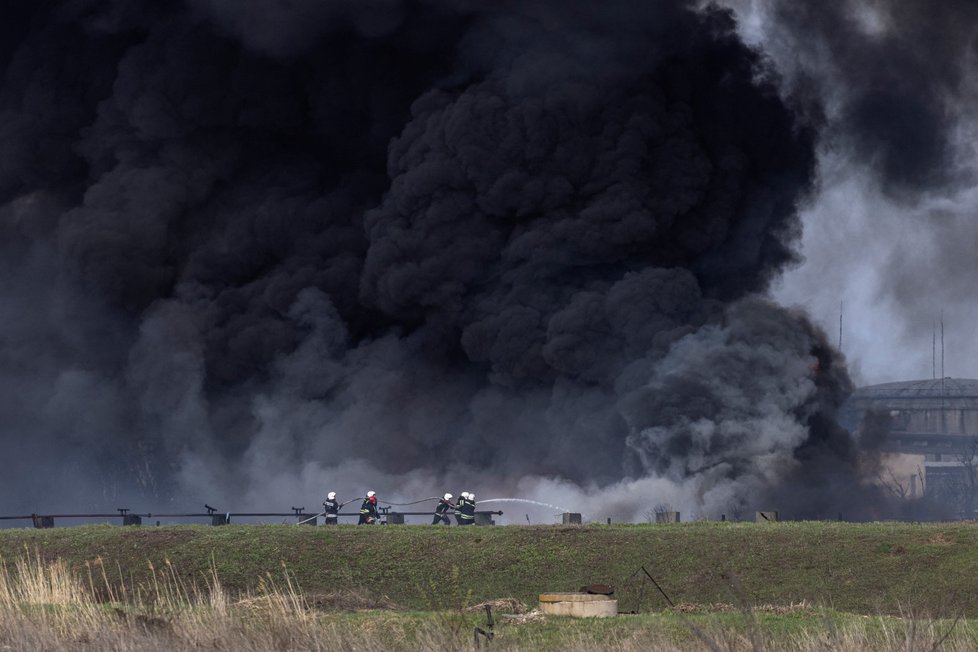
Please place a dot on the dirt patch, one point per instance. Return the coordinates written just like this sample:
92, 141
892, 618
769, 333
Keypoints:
783, 609
329, 602
724, 607
151, 624
502, 606
349, 601
710, 607
939, 539
522, 619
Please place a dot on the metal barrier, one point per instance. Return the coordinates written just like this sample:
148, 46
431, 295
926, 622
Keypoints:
219, 517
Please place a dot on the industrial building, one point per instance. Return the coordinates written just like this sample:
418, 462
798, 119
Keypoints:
936, 419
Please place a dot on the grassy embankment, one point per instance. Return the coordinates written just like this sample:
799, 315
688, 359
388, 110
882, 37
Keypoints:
51, 607
744, 586
884, 568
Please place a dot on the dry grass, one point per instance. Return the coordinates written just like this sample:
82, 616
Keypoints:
852, 639
50, 606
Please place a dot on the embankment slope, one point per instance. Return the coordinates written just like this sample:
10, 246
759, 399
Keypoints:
864, 568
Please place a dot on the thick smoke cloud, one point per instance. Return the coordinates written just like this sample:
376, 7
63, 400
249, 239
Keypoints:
891, 229
254, 249
896, 76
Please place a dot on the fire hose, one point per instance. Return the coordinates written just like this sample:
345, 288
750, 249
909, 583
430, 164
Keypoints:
312, 518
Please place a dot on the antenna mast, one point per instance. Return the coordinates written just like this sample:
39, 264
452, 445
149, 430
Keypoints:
943, 413
933, 350
841, 304
942, 348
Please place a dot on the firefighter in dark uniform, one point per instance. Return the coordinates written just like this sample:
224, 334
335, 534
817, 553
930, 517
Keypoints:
467, 512
441, 511
331, 507
462, 498
368, 510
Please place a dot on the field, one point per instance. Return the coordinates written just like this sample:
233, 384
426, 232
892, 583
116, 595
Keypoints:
815, 585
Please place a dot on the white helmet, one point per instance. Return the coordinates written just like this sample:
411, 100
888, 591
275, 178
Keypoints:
464, 494
371, 494
471, 496
448, 496
331, 495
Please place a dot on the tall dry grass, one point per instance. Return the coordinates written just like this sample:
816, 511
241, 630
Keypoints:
50, 606
852, 638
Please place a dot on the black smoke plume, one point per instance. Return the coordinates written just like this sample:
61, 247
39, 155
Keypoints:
252, 249
894, 79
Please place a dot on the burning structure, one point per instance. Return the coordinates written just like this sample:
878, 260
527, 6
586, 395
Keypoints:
935, 419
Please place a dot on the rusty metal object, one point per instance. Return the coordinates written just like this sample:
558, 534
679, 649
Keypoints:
598, 589
488, 632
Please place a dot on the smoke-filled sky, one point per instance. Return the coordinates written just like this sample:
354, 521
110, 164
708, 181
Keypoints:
891, 231
254, 250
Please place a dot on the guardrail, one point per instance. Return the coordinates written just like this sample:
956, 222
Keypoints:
220, 517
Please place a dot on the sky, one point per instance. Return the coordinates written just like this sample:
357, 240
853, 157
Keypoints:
893, 243
587, 254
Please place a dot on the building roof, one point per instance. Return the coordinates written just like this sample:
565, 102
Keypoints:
933, 393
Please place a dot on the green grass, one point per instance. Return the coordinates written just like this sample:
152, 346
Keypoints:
879, 568
806, 628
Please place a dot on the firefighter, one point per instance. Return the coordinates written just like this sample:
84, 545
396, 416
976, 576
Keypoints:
441, 511
467, 512
462, 498
368, 510
331, 507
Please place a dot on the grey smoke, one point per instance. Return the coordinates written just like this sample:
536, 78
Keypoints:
515, 245
896, 75
890, 229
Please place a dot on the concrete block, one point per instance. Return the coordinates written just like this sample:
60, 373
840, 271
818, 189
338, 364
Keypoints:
667, 517
767, 517
578, 605
571, 518
484, 518
132, 519
393, 518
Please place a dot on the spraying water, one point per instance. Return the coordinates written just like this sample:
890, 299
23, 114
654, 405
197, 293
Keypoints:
521, 500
